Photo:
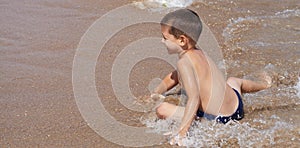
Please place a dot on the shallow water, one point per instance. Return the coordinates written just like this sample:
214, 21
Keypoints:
38, 41
256, 39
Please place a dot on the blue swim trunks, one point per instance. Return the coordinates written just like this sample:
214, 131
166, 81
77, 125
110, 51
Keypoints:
237, 115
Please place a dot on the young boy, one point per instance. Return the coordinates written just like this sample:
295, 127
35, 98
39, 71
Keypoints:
209, 95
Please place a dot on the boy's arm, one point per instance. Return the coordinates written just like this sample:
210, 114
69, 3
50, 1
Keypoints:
189, 81
168, 82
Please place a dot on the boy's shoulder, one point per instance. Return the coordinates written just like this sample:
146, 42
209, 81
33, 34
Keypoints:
185, 62
193, 59
182, 61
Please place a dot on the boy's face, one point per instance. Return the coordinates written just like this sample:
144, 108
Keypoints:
172, 43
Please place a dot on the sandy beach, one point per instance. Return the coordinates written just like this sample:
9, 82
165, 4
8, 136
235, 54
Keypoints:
39, 39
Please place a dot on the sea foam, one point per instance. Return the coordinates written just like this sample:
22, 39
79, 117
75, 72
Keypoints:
297, 87
156, 4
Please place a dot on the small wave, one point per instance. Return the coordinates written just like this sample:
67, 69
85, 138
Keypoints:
259, 44
211, 134
158, 4
236, 23
266, 44
288, 13
297, 87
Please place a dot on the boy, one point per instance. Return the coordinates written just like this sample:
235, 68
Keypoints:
209, 95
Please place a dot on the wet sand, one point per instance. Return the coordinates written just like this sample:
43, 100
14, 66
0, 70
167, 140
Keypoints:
38, 42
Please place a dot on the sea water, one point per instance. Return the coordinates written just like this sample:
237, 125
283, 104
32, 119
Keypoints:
38, 42
263, 128
158, 4
272, 115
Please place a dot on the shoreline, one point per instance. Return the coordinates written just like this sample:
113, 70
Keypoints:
38, 44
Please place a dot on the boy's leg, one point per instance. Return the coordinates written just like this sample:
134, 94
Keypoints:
243, 85
167, 110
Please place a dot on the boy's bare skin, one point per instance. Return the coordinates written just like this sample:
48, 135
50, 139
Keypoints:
205, 86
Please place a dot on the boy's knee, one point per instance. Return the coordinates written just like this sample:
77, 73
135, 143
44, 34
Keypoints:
231, 80
161, 110
234, 81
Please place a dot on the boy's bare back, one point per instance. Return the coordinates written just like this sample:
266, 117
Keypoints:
216, 97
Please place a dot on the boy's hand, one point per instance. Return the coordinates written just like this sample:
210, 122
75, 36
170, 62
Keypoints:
176, 139
148, 99
157, 97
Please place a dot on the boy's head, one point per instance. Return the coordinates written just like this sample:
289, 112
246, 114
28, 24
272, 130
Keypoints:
183, 22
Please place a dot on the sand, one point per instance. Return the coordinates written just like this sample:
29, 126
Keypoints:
38, 43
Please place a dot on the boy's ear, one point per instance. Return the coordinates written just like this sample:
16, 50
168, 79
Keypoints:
183, 40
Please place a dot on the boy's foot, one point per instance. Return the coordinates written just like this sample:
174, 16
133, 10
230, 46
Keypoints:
267, 78
269, 81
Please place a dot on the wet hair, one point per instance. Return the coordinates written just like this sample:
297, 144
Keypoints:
183, 22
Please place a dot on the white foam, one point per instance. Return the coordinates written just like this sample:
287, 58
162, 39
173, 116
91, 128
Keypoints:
297, 87
211, 134
152, 4
288, 13
160, 126
235, 23
269, 67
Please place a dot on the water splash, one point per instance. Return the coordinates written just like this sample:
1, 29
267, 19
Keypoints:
211, 134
